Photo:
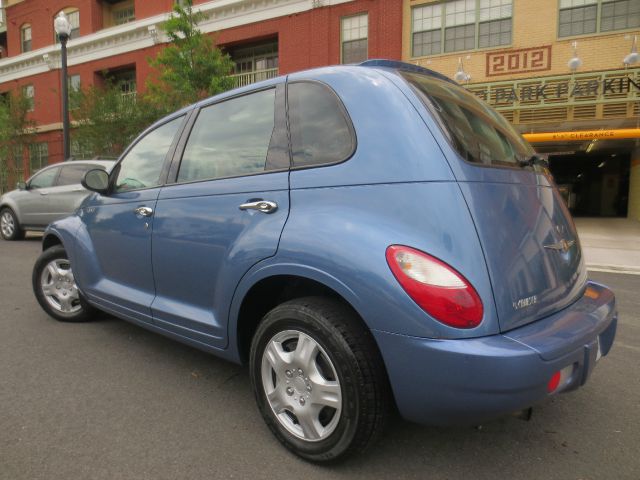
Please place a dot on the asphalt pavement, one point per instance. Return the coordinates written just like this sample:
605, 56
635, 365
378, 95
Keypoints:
109, 400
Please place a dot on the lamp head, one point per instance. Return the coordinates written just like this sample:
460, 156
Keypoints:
633, 57
62, 26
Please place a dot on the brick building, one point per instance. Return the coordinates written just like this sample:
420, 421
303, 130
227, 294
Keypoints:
112, 39
517, 53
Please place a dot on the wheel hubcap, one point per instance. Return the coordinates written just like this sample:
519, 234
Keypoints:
301, 385
59, 287
7, 224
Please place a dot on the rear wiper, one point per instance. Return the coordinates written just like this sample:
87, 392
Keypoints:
534, 160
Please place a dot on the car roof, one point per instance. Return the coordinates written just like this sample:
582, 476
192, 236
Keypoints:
107, 163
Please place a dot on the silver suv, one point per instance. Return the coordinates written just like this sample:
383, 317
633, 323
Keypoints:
52, 193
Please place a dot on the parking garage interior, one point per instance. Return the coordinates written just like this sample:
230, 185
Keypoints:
592, 176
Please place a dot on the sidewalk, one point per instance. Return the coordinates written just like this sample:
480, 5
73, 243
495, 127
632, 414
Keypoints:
610, 244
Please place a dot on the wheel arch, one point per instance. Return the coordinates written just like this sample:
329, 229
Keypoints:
50, 240
11, 205
274, 285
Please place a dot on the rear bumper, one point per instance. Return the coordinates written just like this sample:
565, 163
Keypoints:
458, 382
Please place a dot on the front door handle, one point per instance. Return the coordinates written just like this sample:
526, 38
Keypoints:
144, 211
263, 206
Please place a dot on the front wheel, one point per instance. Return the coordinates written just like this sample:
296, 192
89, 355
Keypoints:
9, 226
55, 287
318, 379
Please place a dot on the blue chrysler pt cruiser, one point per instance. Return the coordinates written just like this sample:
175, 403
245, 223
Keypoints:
364, 237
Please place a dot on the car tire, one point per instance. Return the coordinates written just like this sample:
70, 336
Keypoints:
9, 226
55, 288
329, 398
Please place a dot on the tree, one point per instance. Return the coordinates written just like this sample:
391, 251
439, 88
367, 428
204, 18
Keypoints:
16, 133
107, 121
191, 67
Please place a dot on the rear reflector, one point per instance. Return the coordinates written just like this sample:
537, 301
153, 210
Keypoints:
436, 287
554, 382
560, 379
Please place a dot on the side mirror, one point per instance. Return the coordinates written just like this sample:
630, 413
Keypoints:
96, 180
21, 186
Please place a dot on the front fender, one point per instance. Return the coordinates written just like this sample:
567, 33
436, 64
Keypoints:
64, 231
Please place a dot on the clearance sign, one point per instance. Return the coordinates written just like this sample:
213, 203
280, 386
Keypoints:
582, 135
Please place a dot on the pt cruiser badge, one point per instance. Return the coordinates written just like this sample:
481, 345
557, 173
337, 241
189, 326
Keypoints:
561, 246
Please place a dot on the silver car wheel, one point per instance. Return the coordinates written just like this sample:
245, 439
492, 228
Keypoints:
301, 385
7, 224
59, 287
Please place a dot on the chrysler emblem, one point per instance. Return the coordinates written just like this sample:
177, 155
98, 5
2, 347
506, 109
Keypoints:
561, 246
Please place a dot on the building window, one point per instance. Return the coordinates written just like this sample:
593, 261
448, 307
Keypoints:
495, 23
73, 85
126, 80
580, 17
73, 81
619, 15
29, 93
355, 34
460, 25
256, 58
577, 17
124, 15
25, 38
38, 156
74, 20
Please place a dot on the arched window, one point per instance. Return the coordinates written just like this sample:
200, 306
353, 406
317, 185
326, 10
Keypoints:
25, 37
73, 15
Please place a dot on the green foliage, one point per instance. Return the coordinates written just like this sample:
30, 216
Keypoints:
191, 67
188, 69
107, 121
16, 133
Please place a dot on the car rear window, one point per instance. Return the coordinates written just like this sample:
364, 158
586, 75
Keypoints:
477, 132
71, 174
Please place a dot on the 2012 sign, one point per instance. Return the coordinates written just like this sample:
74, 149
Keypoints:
524, 60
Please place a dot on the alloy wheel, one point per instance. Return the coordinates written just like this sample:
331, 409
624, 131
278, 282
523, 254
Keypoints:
301, 385
7, 224
59, 287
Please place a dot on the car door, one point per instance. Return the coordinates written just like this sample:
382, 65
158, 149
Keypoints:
35, 208
223, 214
67, 194
120, 223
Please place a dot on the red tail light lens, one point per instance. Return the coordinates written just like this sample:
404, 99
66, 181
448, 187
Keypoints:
436, 287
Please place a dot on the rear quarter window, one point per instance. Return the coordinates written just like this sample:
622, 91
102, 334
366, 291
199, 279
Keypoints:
321, 132
72, 174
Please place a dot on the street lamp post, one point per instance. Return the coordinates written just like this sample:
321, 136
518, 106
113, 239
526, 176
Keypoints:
63, 30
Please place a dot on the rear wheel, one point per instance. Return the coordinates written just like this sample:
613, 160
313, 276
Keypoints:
9, 226
318, 379
55, 287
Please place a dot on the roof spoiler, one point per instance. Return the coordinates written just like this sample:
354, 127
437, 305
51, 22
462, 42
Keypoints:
407, 67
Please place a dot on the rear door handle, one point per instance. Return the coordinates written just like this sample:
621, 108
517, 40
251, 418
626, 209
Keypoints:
144, 211
264, 206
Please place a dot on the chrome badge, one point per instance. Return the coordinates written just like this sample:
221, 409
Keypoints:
525, 302
561, 246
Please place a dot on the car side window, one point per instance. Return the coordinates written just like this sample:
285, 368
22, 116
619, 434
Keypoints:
73, 174
321, 132
230, 138
142, 166
44, 179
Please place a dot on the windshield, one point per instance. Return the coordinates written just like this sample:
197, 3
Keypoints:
478, 133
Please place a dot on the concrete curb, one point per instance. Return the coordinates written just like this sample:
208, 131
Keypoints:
628, 270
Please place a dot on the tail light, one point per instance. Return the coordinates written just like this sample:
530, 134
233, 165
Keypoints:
436, 287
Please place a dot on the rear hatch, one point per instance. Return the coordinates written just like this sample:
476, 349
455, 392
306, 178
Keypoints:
529, 240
